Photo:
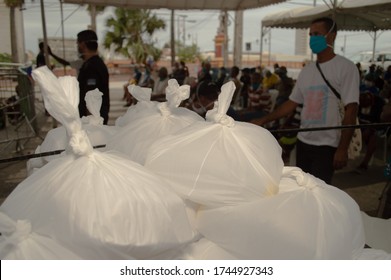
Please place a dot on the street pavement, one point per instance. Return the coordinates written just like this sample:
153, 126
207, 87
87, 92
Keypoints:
364, 188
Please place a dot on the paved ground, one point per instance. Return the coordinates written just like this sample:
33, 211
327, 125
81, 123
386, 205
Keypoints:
364, 188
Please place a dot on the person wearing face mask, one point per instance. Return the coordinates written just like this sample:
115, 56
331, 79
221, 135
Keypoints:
204, 98
322, 152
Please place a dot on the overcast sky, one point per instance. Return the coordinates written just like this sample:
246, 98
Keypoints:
200, 27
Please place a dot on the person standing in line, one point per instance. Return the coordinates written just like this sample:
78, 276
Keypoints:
93, 73
322, 152
40, 60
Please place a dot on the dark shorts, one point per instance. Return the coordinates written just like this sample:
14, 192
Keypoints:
316, 160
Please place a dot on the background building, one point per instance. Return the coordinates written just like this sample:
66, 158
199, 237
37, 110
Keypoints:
301, 42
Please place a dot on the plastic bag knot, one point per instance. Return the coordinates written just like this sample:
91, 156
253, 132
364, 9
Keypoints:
164, 109
175, 94
80, 143
302, 178
223, 119
15, 233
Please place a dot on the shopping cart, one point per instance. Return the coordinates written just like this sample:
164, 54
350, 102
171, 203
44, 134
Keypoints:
17, 109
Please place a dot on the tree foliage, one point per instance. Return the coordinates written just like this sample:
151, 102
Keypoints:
130, 32
14, 3
188, 53
5, 57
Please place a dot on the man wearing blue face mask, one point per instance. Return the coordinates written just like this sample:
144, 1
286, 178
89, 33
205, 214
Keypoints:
322, 152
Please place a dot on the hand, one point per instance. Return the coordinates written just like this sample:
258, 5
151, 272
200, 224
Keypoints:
340, 159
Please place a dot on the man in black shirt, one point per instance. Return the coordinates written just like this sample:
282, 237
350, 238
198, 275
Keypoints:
93, 73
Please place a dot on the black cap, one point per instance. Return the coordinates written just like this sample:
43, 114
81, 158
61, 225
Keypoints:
87, 36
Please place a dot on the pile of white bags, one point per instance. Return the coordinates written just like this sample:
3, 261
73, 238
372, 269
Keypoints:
97, 205
135, 139
214, 189
250, 206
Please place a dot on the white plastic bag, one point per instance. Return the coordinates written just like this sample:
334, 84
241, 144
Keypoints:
202, 249
18, 242
307, 219
219, 162
143, 108
377, 232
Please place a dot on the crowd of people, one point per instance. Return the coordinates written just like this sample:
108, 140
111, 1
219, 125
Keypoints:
375, 93
252, 98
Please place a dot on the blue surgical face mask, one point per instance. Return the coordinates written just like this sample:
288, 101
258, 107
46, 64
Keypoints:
318, 43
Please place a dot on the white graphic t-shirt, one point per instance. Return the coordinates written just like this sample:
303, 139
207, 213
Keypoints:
320, 105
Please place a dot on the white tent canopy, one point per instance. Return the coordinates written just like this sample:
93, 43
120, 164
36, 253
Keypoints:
229, 5
350, 15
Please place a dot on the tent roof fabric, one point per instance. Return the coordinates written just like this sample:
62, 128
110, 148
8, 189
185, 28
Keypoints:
182, 4
350, 15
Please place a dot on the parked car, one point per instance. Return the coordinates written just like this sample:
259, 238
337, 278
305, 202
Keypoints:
382, 59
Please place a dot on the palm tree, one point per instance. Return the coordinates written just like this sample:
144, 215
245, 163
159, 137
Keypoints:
130, 32
13, 4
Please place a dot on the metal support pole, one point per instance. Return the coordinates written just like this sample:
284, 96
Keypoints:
45, 38
63, 36
238, 38
172, 37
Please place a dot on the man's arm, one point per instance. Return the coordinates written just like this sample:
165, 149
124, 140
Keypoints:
341, 155
285, 109
59, 59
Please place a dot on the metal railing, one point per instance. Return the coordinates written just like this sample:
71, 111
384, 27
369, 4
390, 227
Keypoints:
17, 106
